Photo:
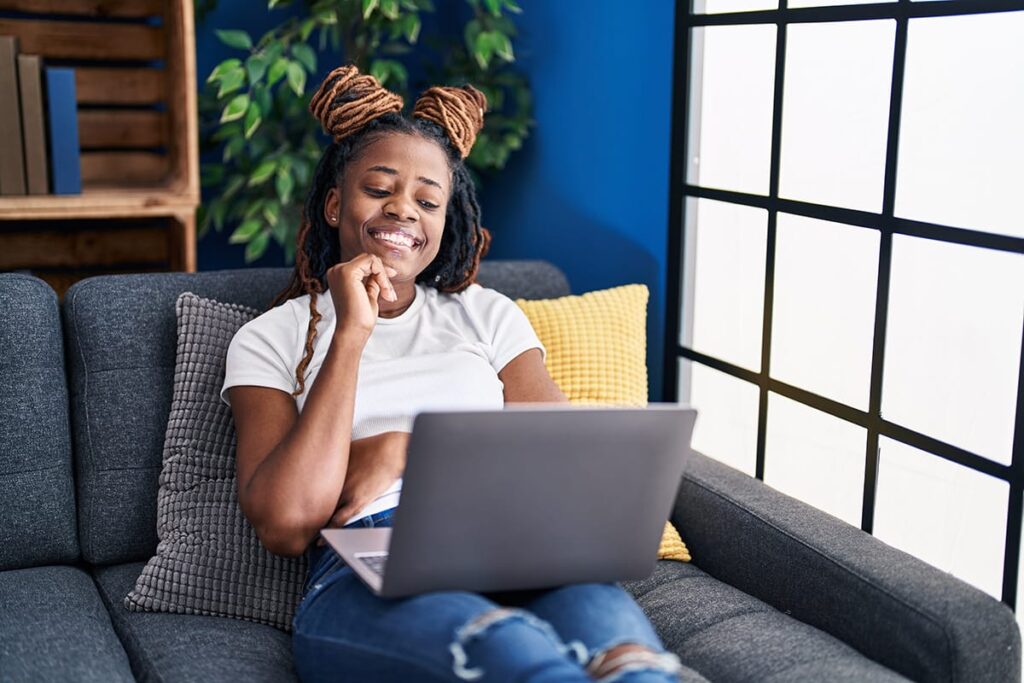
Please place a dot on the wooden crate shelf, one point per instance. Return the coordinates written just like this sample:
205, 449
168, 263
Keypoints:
135, 77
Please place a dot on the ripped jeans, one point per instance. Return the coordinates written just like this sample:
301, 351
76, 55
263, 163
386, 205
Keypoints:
343, 632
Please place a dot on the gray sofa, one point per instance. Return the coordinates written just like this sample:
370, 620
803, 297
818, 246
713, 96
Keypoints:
778, 591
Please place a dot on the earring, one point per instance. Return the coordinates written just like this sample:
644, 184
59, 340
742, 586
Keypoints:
437, 278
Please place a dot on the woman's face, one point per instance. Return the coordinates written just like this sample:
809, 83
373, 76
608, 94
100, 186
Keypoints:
392, 203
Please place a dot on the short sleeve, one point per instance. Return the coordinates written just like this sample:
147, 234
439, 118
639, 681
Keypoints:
262, 352
504, 326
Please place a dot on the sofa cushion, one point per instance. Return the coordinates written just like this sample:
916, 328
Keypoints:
120, 335
727, 635
54, 627
209, 559
183, 647
37, 519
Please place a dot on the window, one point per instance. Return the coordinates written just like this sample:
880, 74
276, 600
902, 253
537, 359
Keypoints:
846, 304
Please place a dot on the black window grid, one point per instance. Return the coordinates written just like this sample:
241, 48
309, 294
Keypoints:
886, 223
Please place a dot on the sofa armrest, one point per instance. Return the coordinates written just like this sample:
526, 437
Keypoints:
894, 608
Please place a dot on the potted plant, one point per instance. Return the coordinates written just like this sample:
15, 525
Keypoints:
253, 108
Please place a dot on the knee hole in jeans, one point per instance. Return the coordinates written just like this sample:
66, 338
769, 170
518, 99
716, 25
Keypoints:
609, 665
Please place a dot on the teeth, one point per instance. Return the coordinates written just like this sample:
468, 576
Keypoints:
394, 238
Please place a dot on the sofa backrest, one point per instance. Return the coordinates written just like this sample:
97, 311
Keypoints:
121, 337
37, 514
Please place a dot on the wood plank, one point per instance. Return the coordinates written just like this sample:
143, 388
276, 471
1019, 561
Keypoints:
123, 168
96, 202
77, 248
86, 40
102, 85
91, 8
182, 105
119, 128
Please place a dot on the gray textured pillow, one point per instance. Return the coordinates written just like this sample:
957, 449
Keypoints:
209, 560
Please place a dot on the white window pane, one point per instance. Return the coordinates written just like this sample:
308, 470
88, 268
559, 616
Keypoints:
831, 3
835, 112
823, 317
728, 297
961, 140
815, 457
731, 124
947, 515
722, 6
953, 343
726, 427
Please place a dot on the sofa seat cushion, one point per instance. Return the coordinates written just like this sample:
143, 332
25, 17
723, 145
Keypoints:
728, 635
54, 627
185, 647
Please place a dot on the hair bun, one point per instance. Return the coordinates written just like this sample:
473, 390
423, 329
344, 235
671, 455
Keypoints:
460, 111
347, 100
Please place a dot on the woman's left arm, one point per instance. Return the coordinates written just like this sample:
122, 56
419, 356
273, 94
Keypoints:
526, 380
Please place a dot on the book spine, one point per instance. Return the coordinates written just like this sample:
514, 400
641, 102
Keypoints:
12, 156
33, 123
62, 107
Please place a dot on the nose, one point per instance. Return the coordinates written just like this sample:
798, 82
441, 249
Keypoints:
399, 208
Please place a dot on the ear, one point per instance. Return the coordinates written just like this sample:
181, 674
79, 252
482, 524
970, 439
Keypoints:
332, 207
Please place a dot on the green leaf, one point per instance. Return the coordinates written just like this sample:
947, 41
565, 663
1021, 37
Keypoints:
304, 53
272, 212
233, 147
222, 68
277, 70
235, 39
235, 109
307, 28
389, 8
257, 246
511, 6
261, 96
368, 7
255, 67
503, 46
410, 26
296, 78
244, 232
253, 118
231, 81
493, 6
284, 183
262, 172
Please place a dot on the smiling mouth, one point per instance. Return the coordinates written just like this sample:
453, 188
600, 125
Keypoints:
397, 238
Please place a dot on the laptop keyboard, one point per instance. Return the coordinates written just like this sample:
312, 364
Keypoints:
375, 561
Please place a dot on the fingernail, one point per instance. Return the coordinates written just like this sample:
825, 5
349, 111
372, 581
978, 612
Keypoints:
394, 294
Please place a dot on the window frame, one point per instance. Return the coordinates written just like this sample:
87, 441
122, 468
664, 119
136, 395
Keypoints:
686, 75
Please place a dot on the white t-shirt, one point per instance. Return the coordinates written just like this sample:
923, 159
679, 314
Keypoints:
444, 352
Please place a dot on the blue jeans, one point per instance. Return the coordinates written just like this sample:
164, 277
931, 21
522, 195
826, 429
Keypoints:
342, 631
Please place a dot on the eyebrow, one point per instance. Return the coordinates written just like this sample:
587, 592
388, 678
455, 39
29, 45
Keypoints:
391, 171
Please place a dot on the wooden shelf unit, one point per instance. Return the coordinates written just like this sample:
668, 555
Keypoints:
135, 78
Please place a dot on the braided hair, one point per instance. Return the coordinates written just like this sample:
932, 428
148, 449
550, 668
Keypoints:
356, 111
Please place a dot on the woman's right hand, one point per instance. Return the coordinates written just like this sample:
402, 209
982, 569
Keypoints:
355, 286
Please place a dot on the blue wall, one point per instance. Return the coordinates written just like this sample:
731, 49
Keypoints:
589, 189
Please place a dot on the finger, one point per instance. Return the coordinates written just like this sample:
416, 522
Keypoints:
381, 276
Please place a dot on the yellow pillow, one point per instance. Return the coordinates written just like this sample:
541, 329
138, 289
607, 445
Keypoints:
597, 354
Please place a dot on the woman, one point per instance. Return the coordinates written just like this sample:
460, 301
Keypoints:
381, 320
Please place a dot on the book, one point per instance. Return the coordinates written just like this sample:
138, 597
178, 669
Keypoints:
62, 112
33, 123
12, 156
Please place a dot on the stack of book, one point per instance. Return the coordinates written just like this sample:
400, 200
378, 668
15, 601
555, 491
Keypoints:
39, 151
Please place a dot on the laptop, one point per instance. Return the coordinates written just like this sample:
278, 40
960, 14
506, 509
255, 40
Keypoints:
531, 496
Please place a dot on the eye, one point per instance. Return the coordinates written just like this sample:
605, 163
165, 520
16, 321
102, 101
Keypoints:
376, 192
428, 205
